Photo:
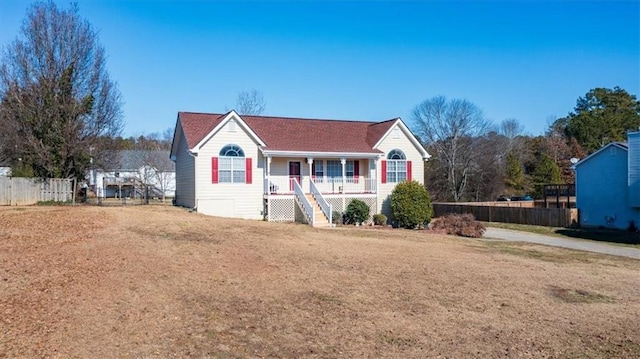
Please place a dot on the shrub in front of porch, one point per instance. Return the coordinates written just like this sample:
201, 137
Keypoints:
379, 219
336, 217
357, 212
411, 205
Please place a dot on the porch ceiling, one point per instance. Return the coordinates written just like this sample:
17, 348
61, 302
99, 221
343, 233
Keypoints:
357, 155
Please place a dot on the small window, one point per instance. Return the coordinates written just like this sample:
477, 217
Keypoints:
319, 171
396, 155
334, 168
232, 151
349, 169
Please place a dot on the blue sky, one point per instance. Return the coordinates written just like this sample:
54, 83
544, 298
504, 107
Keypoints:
528, 60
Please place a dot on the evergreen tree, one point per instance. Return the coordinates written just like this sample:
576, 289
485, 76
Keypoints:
602, 116
546, 172
515, 173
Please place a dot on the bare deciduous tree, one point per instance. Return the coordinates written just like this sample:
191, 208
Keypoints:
451, 130
250, 103
3, 149
511, 128
165, 173
153, 169
56, 94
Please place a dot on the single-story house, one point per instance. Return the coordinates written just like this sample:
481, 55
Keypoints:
608, 185
130, 171
286, 169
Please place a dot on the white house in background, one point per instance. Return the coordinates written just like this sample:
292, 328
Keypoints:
131, 170
608, 185
286, 169
5, 170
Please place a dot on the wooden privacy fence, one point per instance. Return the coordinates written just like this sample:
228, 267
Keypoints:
549, 217
17, 191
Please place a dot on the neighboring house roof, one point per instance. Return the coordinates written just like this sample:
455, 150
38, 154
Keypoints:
133, 160
295, 134
622, 145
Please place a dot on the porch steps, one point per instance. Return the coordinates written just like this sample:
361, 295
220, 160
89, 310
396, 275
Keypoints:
321, 219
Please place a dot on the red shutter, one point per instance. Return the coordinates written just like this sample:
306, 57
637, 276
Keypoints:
214, 169
248, 172
356, 171
383, 172
409, 171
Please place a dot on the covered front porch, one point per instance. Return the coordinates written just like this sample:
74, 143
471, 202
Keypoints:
329, 175
310, 188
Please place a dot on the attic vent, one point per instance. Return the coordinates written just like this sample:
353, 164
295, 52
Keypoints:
232, 126
613, 151
396, 133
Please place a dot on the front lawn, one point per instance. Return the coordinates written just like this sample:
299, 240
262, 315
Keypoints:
155, 281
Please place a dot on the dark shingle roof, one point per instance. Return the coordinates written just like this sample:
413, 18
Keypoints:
295, 134
132, 160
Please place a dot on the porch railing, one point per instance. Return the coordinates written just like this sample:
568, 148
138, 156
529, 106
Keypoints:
325, 185
279, 185
307, 208
327, 208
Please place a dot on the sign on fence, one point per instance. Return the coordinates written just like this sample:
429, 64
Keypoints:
17, 191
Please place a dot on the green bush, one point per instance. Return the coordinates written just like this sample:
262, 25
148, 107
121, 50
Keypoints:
336, 217
379, 219
410, 205
357, 212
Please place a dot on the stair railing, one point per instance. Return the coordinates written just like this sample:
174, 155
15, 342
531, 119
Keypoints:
326, 208
307, 208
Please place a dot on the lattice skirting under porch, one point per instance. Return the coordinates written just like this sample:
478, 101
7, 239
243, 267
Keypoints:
284, 209
340, 205
281, 209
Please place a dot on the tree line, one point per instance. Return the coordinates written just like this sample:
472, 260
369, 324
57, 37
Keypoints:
477, 160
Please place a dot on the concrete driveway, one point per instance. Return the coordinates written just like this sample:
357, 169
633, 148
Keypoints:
581, 245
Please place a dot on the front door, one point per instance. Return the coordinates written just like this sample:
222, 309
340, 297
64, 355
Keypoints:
294, 172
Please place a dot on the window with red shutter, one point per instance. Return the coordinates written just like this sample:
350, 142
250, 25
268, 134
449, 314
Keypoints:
397, 168
231, 165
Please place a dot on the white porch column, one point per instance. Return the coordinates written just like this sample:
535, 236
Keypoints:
268, 175
343, 162
373, 175
310, 162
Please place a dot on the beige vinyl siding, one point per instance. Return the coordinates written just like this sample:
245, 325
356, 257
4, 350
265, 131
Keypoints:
412, 154
185, 175
239, 200
280, 169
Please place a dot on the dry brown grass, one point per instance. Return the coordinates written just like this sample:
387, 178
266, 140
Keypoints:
160, 282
